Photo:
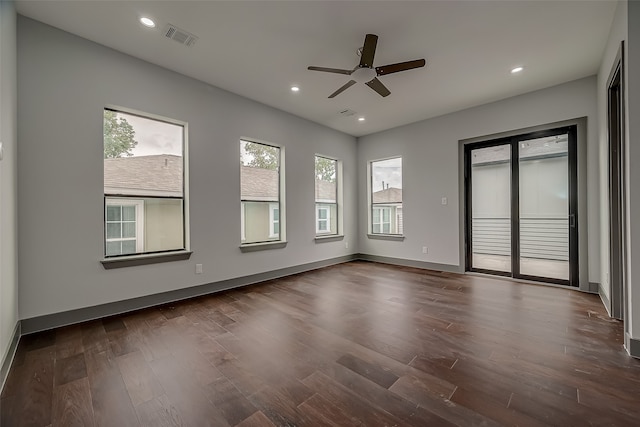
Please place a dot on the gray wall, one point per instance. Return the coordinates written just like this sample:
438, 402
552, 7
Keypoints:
8, 186
430, 151
65, 82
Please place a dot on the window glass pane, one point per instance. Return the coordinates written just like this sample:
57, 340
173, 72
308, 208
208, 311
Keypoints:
260, 191
326, 180
143, 183
386, 193
113, 213
113, 248
128, 246
128, 213
491, 208
544, 206
114, 230
128, 229
326, 194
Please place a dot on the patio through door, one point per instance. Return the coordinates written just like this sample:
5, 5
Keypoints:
521, 206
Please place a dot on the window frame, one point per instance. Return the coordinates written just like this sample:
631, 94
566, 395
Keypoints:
145, 258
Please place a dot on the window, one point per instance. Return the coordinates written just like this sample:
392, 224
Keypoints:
381, 220
261, 193
323, 219
125, 225
274, 220
144, 201
326, 194
386, 196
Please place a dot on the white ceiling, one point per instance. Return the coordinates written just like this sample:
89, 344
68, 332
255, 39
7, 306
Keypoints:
260, 49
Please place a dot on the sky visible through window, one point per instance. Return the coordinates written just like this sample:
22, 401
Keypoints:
388, 171
154, 137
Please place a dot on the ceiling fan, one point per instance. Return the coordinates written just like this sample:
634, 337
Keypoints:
365, 71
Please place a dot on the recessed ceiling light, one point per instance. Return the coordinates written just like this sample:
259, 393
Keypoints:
147, 22
295, 89
516, 70
361, 119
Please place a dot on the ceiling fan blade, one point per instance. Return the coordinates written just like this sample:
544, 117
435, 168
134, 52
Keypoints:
368, 51
331, 70
343, 88
401, 66
377, 85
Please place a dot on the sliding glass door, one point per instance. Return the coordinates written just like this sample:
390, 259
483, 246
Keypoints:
521, 206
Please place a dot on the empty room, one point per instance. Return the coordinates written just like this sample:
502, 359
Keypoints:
319, 213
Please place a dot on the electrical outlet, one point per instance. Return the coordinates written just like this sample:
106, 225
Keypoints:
425, 250
198, 268
444, 200
346, 245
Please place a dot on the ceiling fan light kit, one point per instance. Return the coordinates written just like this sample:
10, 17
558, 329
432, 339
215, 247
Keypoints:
367, 54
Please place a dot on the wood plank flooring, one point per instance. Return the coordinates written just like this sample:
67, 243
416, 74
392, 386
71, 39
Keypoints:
357, 344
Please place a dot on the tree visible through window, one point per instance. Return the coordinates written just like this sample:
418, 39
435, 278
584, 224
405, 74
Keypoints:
260, 192
143, 184
386, 196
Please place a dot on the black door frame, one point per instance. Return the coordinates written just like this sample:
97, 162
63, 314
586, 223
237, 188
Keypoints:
615, 129
513, 142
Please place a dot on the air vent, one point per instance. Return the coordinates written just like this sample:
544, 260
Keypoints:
181, 36
347, 113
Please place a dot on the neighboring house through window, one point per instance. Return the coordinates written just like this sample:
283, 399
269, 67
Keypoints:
386, 196
144, 195
326, 195
260, 192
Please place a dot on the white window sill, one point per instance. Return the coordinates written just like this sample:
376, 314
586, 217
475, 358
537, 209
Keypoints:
329, 238
262, 246
146, 259
393, 237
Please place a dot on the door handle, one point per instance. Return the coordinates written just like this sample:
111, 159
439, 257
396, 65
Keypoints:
572, 221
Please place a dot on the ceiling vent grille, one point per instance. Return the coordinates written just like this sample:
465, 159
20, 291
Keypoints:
181, 36
347, 112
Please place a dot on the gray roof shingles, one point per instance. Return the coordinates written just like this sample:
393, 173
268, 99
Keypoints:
161, 175
388, 195
156, 175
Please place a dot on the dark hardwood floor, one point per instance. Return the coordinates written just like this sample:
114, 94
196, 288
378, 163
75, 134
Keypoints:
357, 344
